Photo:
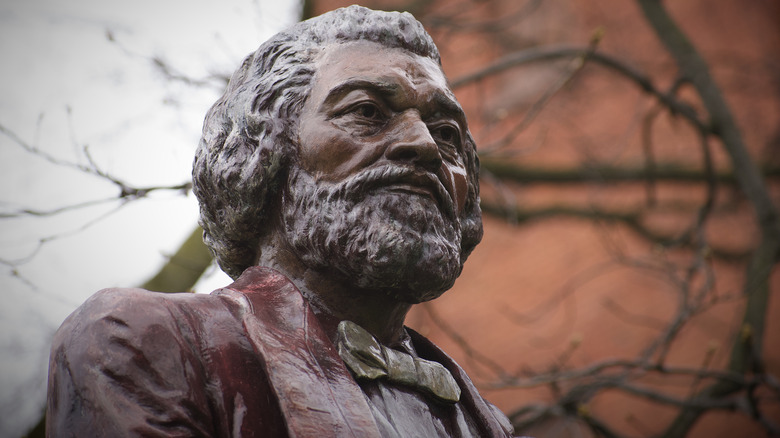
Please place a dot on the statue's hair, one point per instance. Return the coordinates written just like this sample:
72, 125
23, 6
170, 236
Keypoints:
250, 134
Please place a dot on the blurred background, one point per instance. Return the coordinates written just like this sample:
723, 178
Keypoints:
627, 282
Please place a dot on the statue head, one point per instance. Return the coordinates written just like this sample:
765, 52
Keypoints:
341, 134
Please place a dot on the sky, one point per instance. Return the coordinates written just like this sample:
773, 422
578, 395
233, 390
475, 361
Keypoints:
80, 84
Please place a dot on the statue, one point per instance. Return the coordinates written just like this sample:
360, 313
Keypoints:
338, 187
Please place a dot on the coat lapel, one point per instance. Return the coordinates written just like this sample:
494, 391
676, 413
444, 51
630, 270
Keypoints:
484, 414
316, 392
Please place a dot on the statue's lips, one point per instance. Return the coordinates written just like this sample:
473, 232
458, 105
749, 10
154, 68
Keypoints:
417, 190
423, 185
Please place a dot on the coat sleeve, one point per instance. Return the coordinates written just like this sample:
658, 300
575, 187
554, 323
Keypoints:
125, 364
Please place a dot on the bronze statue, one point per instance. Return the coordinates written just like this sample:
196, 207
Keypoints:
338, 186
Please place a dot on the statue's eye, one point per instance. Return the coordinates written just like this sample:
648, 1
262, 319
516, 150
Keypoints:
368, 111
447, 134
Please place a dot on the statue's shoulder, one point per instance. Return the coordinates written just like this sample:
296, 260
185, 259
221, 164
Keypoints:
123, 300
119, 304
125, 345
132, 316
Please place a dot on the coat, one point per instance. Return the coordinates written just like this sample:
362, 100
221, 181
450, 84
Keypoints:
248, 360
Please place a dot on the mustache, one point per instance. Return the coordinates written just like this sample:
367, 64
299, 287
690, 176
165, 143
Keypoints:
356, 187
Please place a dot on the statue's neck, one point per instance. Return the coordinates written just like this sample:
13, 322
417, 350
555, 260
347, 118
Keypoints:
333, 301
381, 315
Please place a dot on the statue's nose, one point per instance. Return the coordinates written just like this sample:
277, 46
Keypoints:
416, 145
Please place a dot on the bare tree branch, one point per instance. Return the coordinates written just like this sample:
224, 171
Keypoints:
574, 67
666, 172
539, 54
127, 192
478, 357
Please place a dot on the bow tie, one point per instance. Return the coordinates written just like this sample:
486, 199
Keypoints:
368, 359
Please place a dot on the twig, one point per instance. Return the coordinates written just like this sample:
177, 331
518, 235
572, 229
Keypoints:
126, 191
647, 150
570, 287
633, 318
575, 67
44, 240
492, 25
666, 172
462, 343
538, 54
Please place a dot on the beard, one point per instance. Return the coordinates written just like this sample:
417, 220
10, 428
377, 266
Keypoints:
405, 245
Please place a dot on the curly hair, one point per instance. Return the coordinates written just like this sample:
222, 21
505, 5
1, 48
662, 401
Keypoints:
249, 135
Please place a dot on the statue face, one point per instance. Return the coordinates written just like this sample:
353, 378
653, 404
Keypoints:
370, 106
381, 178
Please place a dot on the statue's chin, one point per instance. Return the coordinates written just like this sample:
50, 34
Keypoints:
394, 243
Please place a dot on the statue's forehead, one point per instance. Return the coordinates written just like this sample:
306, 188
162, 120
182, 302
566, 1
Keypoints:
369, 60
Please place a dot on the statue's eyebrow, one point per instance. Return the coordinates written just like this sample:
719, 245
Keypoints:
382, 88
443, 102
450, 107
